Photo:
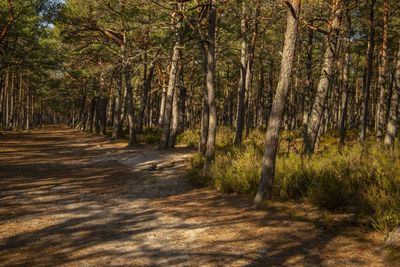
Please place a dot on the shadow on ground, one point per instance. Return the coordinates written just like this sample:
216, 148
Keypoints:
71, 199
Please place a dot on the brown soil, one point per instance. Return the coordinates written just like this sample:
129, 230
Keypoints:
69, 199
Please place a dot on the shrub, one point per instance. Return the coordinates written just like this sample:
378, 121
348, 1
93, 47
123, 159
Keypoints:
224, 137
292, 177
189, 137
365, 180
236, 171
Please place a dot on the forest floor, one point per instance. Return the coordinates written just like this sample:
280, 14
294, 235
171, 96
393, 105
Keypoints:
71, 199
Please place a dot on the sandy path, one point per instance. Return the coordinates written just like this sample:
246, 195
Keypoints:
68, 199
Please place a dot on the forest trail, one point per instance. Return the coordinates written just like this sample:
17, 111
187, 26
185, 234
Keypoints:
70, 199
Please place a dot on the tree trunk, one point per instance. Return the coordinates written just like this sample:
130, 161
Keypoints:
175, 112
278, 105
380, 114
345, 85
309, 83
326, 76
204, 126
212, 123
173, 78
243, 69
369, 72
117, 123
129, 103
146, 89
392, 125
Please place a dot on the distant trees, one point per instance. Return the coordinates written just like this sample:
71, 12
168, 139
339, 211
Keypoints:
27, 59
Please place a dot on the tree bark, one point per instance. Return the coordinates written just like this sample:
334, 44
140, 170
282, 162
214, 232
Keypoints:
129, 103
117, 123
243, 69
278, 105
380, 114
369, 72
175, 112
345, 85
393, 121
173, 78
146, 89
309, 83
325, 78
212, 123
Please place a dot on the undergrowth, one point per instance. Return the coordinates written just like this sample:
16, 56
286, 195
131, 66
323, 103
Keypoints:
362, 180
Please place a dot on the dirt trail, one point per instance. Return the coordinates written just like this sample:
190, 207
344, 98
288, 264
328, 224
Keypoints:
69, 199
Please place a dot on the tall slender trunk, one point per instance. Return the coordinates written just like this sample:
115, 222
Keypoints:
380, 114
117, 122
162, 106
173, 78
279, 103
249, 114
309, 82
369, 72
393, 121
146, 89
27, 117
212, 124
175, 111
205, 115
345, 85
325, 78
243, 69
129, 103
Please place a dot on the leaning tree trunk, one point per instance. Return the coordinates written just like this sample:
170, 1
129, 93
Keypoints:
212, 123
392, 125
326, 73
380, 113
278, 105
173, 78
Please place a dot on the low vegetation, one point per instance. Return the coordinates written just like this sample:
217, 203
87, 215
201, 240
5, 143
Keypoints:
364, 180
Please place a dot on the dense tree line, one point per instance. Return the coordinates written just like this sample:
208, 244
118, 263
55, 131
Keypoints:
311, 67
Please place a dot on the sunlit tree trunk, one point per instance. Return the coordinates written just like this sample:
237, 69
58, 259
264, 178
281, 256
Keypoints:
325, 78
173, 79
393, 121
278, 105
212, 123
345, 85
175, 112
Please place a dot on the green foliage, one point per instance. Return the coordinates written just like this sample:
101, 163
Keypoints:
236, 171
293, 177
352, 179
196, 172
224, 137
189, 137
